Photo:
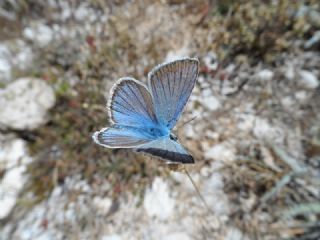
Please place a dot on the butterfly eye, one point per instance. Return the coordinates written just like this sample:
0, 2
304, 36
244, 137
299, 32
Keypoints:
173, 137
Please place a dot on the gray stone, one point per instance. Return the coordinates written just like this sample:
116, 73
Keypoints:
5, 64
14, 157
224, 152
40, 34
111, 237
157, 201
211, 103
177, 236
24, 104
211, 61
308, 79
265, 75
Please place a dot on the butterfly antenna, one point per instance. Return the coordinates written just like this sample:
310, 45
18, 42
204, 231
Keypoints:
190, 120
198, 191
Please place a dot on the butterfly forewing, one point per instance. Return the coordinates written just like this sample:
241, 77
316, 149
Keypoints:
171, 85
131, 104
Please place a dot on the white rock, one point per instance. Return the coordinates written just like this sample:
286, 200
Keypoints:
13, 159
24, 104
221, 152
288, 101
235, 234
230, 68
11, 184
62, 208
157, 200
308, 79
203, 83
265, 131
265, 75
23, 58
178, 176
177, 54
13, 152
111, 237
177, 236
214, 195
217, 202
5, 64
246, 122
289, 72
205, 171
215, 182
102, 204
39, 33
56, 192
211, 103
5, 70
211, 62
301, 95
189, 131
206, 92
66, 11
228, 87
82, 12
212, 135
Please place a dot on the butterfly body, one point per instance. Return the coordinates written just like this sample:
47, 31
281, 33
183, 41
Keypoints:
143, 117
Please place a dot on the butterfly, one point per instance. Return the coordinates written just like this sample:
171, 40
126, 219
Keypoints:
143, 116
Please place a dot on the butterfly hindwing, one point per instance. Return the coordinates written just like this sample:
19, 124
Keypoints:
131, 104
167, 149
171, 85
122, 137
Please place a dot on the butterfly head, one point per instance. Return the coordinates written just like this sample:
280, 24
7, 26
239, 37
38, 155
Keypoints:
173, 137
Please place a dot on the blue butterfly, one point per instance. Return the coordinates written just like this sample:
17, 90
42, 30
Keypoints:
142, 117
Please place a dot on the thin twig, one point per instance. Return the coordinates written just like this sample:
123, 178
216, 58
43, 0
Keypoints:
188, 121
198, 192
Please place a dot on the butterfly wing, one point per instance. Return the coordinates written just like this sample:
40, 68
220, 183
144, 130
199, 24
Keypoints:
140, 119
167, 149
119, 136
171, 85
130, 104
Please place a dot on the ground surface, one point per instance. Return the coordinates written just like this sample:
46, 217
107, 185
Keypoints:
255, 135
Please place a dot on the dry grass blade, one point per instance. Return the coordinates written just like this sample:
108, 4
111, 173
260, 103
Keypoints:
301, 209
279, 185
295, 165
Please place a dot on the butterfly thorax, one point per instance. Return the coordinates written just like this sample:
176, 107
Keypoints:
157, 131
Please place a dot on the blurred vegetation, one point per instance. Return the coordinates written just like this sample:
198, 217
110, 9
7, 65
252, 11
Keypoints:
258, 30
